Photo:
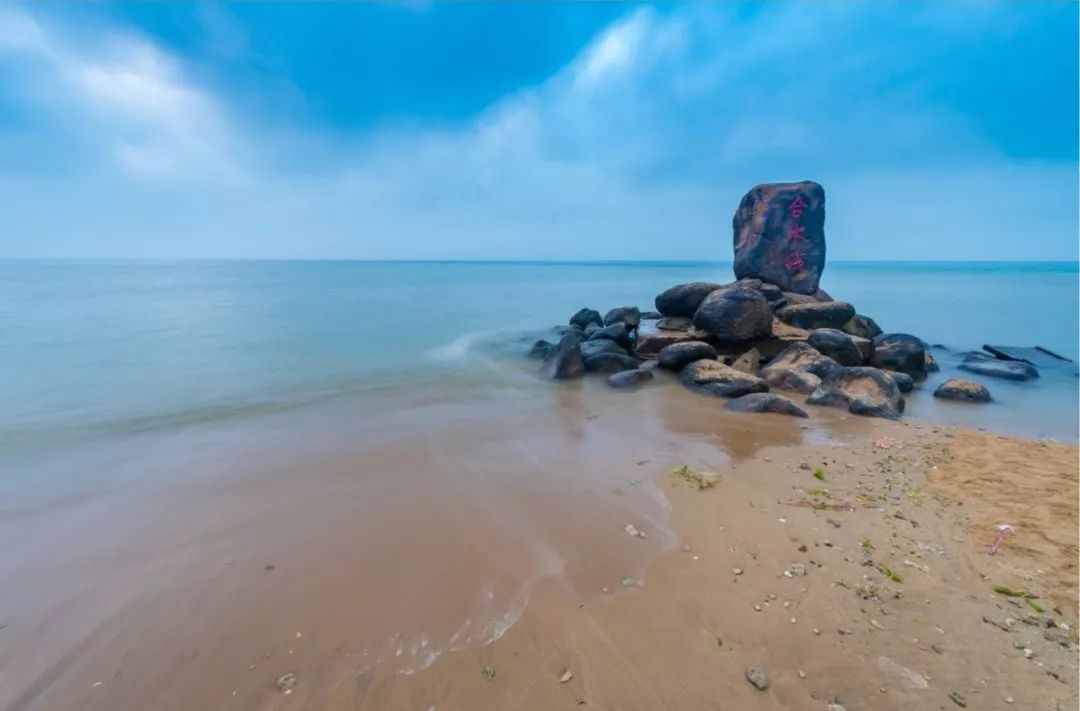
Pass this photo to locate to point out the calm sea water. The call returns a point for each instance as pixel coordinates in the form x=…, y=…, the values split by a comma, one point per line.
x=96, y=349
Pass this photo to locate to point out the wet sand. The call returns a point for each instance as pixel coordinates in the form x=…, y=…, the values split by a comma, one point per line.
x=477, y=564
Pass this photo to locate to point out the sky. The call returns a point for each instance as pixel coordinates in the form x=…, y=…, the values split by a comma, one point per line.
x=539, y=131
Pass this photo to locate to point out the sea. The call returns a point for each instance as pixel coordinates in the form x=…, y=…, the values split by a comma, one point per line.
x=199, y=460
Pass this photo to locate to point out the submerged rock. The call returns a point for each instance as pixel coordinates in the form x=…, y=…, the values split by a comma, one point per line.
x=564, y=361
x=540, y=349
x=736, y=314
x=837, y=345
x=899, y=351
x=629, y=378
x=651, y=341
x=649, y=316
x=820, y=314
x=715, y=378
x=609, y=362
x=584, y=317
x=618, y=332
x=779, y=235
x=766, y=402
x=677, y=355
x=903, y=381
x=1007, y=369
x=864, y=391
x=960, y=389
x=684, y=299
x=629, y=315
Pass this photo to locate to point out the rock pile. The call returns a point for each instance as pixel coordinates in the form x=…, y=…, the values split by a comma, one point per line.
x=772, y=328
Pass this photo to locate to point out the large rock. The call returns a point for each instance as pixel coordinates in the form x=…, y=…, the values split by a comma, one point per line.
x=780, y=235
x=677, y=355
x=650, y=341
x=629, y=378
x=684, y=299
x=629, y=315
x=601, y=345
x=1007, y=369
x=540, y=349
x=715, y=378
x=836, y=344
x=799, y=357
x=862, y=326
x=675, y=323
x=736, y=314
x=609, y=362
x=618, y=332
x=899, y=351
x=564, y=361
x=960, y=389
x=864, y=391
x=820, y=314
x=650, y=316
x=748, y=362
x=766, y=402
x=584, y=317
x=798, y=380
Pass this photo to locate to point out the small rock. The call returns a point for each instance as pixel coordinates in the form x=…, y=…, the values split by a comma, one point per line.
x=566, y=676
x=757, y=677
x=286, y=682
x=736, y=571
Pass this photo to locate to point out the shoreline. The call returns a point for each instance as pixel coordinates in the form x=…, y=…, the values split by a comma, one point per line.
x=658, y=633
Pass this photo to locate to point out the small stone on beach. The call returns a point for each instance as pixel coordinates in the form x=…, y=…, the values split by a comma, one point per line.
x=757, y=677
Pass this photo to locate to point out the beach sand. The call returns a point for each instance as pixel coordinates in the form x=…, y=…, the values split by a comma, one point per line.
x=660, y=622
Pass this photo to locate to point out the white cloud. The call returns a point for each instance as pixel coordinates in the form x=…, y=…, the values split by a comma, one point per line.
x=638, y=148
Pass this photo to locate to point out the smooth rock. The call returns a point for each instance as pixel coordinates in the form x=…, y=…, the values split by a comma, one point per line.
x=675, y=323
x=863, y=391
x=609, y=362
x=757, y=677
x=960, y=389
x=618, y=332
x=650, y=316
x=794, y=299
x=629, y=315
x=1007, y=369
x=684, y=299
x=899, y=351
x=564, y=361
x=601, y=345
x=836, y=344
x=650, y=341
x=820, y=314
x=629, y=378
x=540, y=349
x=748, y=362
x=779, y=235
x=766, y=402
x=677, y=355
x=903, y=381
x=584, y=317
x=798, y=380
x=861, y=326
x=799, y=357
x=736, y=314
x=715, y=378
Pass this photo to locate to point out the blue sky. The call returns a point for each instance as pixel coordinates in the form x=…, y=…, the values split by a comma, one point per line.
x=533, y=131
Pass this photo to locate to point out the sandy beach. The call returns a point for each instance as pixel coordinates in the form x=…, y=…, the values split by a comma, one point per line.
x=845, y=556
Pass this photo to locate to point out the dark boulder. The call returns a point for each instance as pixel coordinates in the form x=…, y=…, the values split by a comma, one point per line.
x=564, y=361
x=864, y=391
x=793, y=298
x=684, y=299
x=584, y=317
x=1007, y=369
x=540, y=349
x=748, y=362
x=675, y=323
x=766, y=402
x=780, y=235
x=601, y=345
x=618, y=332
x=715, y=378
x=960, y=389
x=798, y=380
x=931, y=364
x=563, y=330
x=629, y=378
x=899, y=351
x=629, y=315
x=735, y=314
x=820, y=314
x=650, y=316
x=609, y=362
x=822, y=295
x=677, y=355
x=772, y=293
x=903, y=381
x=799, y=357
x=836, y=344
x=861, y=326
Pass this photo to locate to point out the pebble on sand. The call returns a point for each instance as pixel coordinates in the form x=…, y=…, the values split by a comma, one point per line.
x=757, y=677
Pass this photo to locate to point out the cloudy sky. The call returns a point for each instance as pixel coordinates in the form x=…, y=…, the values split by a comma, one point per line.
x=534, y=131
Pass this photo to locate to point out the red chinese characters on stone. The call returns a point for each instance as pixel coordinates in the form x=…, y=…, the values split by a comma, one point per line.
x=796, y=232
x=796, y=206
x=793, y=262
